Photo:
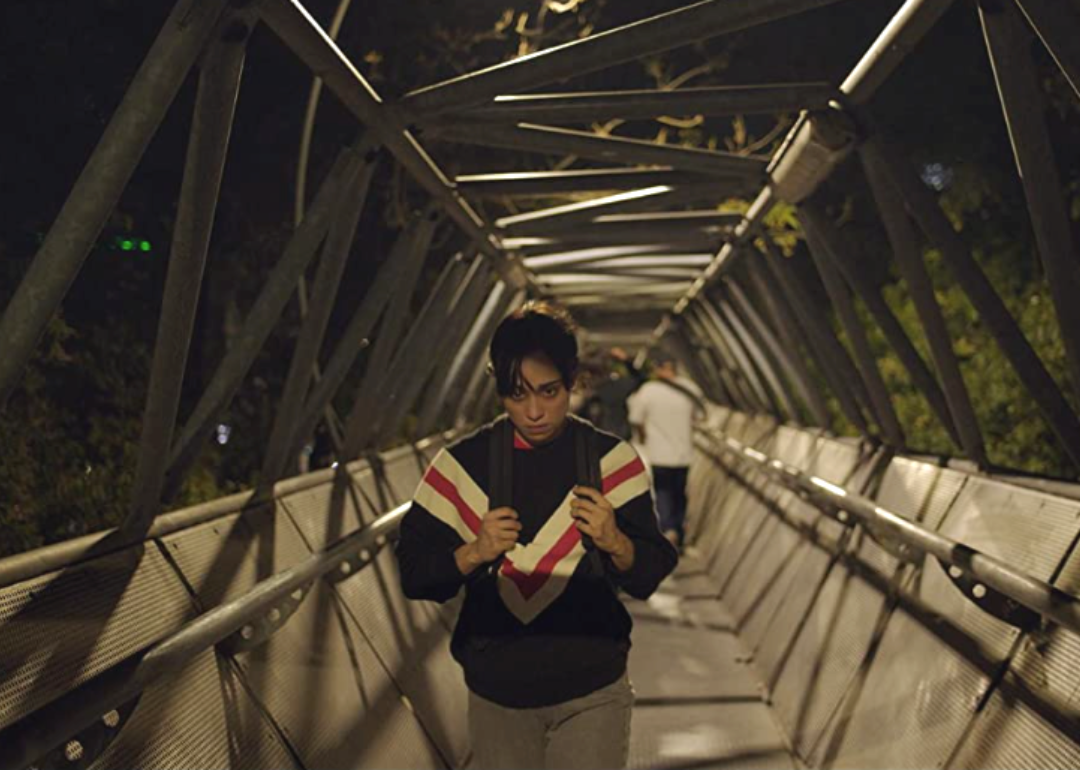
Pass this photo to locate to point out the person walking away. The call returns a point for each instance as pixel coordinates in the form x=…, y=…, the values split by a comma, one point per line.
x=662, y=414
x=542, y=637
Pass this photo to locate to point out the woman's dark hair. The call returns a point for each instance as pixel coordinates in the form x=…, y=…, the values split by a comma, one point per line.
x=536, y=327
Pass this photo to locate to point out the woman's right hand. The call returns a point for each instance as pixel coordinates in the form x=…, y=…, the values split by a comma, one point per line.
x=499, y=531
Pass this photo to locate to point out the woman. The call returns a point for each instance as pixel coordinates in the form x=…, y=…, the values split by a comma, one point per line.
x=542, y=636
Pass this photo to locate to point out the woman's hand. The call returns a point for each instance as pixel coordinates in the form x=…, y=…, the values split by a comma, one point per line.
x=595, y=517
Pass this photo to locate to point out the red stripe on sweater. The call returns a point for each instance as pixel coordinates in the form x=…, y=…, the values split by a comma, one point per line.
x=623, y=474
x=528, y=585
x=446, y=488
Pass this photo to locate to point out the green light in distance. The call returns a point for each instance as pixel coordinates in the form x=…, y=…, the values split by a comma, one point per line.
x=127, y=245
x=144, y=245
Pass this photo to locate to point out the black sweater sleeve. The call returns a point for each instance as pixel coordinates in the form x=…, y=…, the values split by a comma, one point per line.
x=654, y=555
x=425, y=553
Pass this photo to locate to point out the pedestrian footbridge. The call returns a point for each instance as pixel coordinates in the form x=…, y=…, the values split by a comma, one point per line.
x=845, y=602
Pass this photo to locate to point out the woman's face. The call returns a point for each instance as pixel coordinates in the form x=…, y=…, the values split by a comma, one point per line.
x=539, y=406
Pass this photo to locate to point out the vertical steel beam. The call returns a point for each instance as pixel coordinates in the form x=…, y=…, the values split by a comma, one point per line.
x=101, y=182
x=790, y=361
x=262, y=317
x=906, y=249
x=1057, y=23
x=401, y=266
x=215, y=105
x=867, y=364
x=984, y=298
x=715, y=358
x=606, y=49
x=450, y=386
x=757, y=357
x=832, y=359
x=305, y=357
x=389, y=355
x=1009, y=44
x=684, y=344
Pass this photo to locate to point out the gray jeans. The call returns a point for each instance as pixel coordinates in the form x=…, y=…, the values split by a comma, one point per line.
x=587, y=733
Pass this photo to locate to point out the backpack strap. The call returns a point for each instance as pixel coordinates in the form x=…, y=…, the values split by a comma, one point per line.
x=501, y=464
x=587, y=458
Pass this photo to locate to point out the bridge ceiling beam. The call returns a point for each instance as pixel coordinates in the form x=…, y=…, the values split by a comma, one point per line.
x=551, y=140
x=605, y=259
x=627, y=43
x=527, y=184
x=600, y=106
x=291, y=22
x=583, y=213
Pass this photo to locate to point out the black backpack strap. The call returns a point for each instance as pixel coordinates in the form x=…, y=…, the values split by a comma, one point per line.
x=699, y=405
x=587, y=458
x=500, y=464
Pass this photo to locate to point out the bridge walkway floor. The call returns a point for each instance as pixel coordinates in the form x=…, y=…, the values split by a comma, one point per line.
x=699, y=704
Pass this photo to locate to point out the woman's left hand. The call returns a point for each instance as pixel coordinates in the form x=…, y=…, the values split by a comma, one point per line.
x=596, y=518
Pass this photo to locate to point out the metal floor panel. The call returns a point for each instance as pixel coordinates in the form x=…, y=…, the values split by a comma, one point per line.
x=200, y=718
x=325, y=687
x=696, y=705
x=63, y=628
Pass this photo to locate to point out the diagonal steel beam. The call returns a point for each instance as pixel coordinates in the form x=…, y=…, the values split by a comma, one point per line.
x=404, y=262
x=909, y=260
x=555, y=218
x=526, y=184
x=984, y=298
x=291, y=22
x=1057, y=23
x=1008, y=42
x=821, y=251
x=308, y=344
x=606, y=49
x=211, y=127
x=100, y=184
x=264, y=314
x=587, y=107
x=589, y=259
x=550, y=140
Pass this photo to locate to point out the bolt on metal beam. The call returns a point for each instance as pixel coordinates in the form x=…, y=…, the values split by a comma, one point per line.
x=103, y=179
x=909, y=260
x=606, y=49
x=215, y=106
x=1008, y=42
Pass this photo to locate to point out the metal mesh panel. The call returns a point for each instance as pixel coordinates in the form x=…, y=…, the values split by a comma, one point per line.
x=748, y=520
x=773, y=648
x=754, y=595
x=827, y=652
x=792, y=445
x=327, y=690
x=834, y=461
x=63, y=628
x=223, y=559
x=704, y=736
x=908, y=708
x=756, y=626
x=1028, y=530
x=1032, y=720
x=402, y=469
x=414, y=646
x=200, y=718
x=324, y=514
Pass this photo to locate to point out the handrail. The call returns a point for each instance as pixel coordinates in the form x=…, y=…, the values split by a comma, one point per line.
x=1034, y=594
x=40, y=732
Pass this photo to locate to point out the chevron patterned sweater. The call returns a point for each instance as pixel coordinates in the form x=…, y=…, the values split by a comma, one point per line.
x=544, y=625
